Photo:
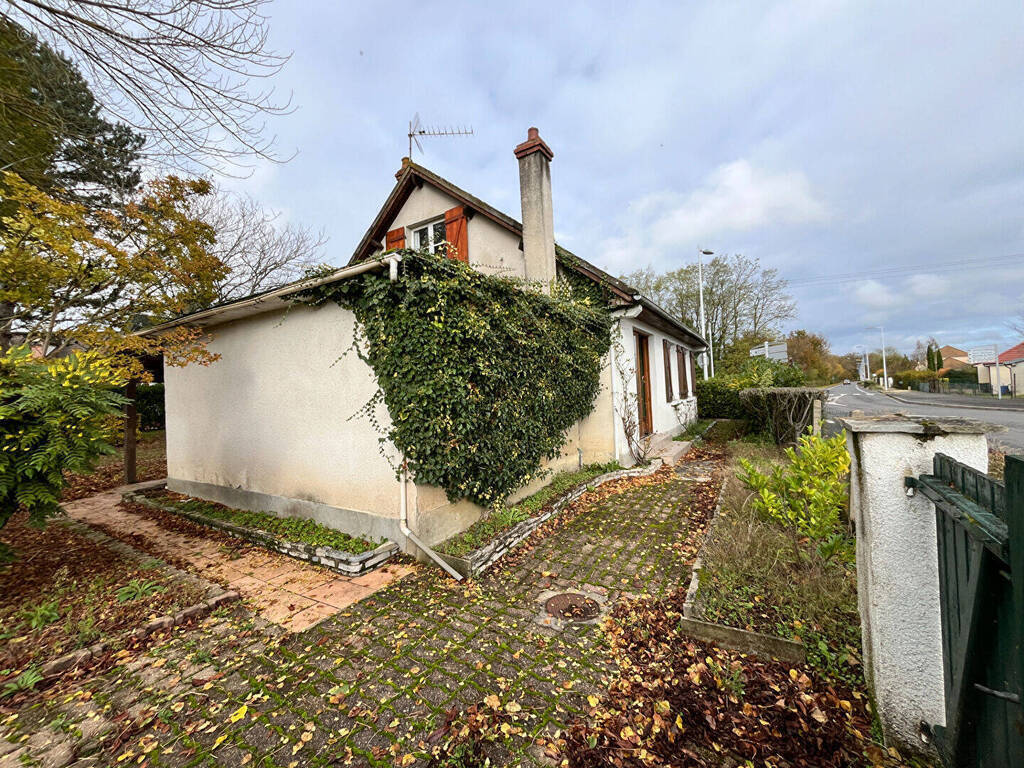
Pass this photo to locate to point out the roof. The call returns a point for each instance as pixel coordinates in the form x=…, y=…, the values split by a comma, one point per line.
x=1012, y=354
x=951, y=351
x=410, y=177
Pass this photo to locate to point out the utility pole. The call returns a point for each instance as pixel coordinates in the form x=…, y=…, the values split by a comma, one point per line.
x=709, y=359
x=885, y=367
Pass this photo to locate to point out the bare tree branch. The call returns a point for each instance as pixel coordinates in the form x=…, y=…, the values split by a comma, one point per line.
x=178, y=71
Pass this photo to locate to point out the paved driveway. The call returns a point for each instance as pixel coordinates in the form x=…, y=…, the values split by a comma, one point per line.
x=368, y=685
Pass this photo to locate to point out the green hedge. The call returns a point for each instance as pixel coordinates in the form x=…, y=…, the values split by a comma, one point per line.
x=149, y=400
x=718, y=399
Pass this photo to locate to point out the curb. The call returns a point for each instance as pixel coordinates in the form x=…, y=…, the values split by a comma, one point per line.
x=76, y=658
x=955, y=405
x=690, y=604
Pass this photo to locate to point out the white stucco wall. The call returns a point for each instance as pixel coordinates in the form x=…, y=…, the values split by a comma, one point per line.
x=897, y=573
x=666, y=416
x=268, y=427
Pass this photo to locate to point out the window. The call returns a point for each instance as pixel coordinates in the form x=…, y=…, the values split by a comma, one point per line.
x=429, y=237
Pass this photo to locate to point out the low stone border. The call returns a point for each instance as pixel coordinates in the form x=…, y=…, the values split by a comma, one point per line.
x=479, y=560
x=744, y=641
x=690, y=604
x=83, y=656
x=345, y=563
x=705, y=430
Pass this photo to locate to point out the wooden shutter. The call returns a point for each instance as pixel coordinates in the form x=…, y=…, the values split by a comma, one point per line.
x=395, y=239
x=666, y=352
x=456, y=232
x=684, y=388
x=693, y=373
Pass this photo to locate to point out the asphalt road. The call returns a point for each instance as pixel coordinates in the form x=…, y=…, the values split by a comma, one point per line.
x=849, y=397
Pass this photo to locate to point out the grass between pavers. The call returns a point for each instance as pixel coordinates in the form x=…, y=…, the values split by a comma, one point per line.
x=499, y=520
x=751, y=579
x=64, y=591
x=285, y=528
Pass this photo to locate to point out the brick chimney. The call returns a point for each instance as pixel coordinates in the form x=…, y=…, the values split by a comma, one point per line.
x=538, y=221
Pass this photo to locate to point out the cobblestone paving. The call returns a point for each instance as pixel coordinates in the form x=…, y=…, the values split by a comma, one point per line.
x=370, y=684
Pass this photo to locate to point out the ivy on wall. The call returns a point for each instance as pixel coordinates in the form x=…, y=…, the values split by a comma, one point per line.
x=481, y=377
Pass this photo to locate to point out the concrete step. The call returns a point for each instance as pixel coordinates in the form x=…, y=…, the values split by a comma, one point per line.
x=672, y=451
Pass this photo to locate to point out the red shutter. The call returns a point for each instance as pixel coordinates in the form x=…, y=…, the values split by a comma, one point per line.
x=684, y=389
x=666, y=352
x=456, y=232
x=395, y=239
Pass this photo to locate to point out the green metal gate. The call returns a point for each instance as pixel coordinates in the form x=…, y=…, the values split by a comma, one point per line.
x=980, y=530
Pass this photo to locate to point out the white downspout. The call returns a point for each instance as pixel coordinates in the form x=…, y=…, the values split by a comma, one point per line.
x=403, y=525
x=403, y=503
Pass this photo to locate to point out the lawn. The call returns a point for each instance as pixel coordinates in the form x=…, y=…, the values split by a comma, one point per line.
x=151, y=464
x=66, y=591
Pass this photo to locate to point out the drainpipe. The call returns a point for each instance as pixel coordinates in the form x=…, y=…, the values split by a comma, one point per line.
x=403, y=525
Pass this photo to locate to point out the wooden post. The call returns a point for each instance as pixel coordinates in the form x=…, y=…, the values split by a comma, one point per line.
x=131, y=423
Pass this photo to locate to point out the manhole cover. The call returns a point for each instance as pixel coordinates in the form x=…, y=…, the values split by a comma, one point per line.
x=572, y=606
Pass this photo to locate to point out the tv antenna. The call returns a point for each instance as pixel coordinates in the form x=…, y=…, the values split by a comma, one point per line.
x=416, y=130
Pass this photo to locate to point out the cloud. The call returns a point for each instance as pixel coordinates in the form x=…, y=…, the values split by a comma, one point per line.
x=876, y=296
x=736, y=197
x=928, y=286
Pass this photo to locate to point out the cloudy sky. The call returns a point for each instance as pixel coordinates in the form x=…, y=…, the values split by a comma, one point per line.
x=872, y=152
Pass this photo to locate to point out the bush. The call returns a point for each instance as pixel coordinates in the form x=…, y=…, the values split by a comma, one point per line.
x=904, y=379
x=54, y=417
x=784, y=412
x=807, y=495
x=719, y=399
x=149, y=401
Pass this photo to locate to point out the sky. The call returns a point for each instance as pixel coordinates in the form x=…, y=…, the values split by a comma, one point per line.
x=873, y=153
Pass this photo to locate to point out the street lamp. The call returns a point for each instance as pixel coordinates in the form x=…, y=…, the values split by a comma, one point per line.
x=885, y=368
x=709, y=356
x=864, y=365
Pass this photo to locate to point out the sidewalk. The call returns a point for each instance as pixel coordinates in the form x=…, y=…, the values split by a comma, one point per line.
x=985, y=402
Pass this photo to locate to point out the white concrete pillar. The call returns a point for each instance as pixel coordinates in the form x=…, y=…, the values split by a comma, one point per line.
x=897, y=563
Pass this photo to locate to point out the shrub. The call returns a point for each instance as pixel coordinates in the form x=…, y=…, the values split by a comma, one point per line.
x=904, y=379
x=54, y=417
x=807, y=495
x=149, y=402
x=719, y=399
x=785, y=412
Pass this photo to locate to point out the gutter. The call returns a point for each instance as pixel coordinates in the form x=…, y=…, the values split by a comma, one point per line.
x=279, y=293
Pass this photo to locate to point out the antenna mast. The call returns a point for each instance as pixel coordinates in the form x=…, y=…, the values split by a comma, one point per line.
x=416, y=130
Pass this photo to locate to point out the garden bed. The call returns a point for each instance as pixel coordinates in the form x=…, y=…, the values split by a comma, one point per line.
x=485, y=542
x=70, y=589
x=751, y=579
x=299, y=538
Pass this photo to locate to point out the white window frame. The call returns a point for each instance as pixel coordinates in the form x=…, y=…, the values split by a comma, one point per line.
x=432, y=244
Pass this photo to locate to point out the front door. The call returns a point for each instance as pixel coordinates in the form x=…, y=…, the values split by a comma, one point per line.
x=643, y=383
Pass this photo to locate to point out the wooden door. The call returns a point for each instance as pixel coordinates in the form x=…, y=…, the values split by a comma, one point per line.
x=643, y=383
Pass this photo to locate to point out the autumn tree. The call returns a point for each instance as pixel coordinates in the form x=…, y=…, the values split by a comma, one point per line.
x=74, y=278
x=745, y=304
x=810, y=352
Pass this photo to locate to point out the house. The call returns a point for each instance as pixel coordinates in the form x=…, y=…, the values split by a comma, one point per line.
x=269, y=426
x=1010, y=372
x=953, y=358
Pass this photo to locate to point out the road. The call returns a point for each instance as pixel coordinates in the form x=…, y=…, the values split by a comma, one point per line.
x=849, y=397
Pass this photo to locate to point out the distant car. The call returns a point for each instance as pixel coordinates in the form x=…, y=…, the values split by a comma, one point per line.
x=846, y=381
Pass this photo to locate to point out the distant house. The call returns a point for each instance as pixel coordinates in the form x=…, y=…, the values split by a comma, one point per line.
x=268, y=427
x=1010, y=372
x=953, y=358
